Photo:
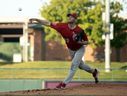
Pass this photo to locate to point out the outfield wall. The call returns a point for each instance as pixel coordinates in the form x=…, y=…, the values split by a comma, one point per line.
x=30, y=84
x=20, y=84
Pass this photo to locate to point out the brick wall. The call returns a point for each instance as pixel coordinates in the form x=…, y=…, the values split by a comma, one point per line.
x=123, y=55
x=89, y=54
x=56, y=51
x=53, y=50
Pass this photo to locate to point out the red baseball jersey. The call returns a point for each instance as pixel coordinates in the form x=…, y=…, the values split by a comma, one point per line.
x=68, y=34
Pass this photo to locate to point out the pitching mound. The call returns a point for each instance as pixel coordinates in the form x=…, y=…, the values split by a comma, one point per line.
x=86, y=89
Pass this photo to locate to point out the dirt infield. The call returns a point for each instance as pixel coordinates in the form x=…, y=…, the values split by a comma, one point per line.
x=86, y=89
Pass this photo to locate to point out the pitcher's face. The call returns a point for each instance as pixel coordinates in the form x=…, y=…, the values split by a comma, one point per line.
x=71, y=19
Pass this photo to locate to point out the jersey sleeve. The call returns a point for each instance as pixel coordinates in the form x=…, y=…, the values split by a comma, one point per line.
x=56, y=26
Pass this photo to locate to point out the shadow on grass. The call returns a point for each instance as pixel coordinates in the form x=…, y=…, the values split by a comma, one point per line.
x=5, y=63
x=4, y=59
x=124, y=67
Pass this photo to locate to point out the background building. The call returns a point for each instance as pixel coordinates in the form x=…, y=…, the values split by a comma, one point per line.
x=34, y=47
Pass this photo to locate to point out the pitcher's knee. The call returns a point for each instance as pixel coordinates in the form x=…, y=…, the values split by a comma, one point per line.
x=80, y=68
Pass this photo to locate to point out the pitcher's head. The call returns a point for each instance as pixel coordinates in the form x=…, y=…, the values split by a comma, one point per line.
x=72, y=17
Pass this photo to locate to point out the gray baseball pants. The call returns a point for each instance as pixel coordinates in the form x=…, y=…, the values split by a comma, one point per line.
x=77, y=63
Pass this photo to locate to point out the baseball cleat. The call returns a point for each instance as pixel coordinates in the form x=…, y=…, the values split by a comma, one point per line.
x=61, y=85
x=95, y=75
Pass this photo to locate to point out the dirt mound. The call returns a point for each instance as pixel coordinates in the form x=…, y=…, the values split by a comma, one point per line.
x=87, y=89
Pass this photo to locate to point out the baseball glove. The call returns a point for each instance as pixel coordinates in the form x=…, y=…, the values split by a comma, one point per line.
x=79, y=36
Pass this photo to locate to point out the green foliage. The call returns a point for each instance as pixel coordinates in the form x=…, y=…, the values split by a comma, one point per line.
x=8, y=49
x=120, y=37
x=119, y=25
x=90, y=17
x=116, y=7
x=96, y=32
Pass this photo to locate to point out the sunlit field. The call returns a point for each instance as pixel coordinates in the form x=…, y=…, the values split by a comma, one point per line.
x=59, y=70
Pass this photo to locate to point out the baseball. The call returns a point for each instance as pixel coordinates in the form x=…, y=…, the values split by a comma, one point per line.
x=20, y=9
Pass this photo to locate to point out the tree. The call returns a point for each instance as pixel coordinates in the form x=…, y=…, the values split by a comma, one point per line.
x=120, y=37
x=89, y=20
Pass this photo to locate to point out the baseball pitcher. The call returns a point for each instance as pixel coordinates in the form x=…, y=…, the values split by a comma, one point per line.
x=75, y=39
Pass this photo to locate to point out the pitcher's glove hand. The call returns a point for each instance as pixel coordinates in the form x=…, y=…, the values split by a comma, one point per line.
x=79, y=36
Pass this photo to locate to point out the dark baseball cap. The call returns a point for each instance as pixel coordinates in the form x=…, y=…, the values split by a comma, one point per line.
x=73, y=15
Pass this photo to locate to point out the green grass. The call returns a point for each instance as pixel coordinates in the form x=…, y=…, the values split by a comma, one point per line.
x=8, y=49
x=59, y=70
